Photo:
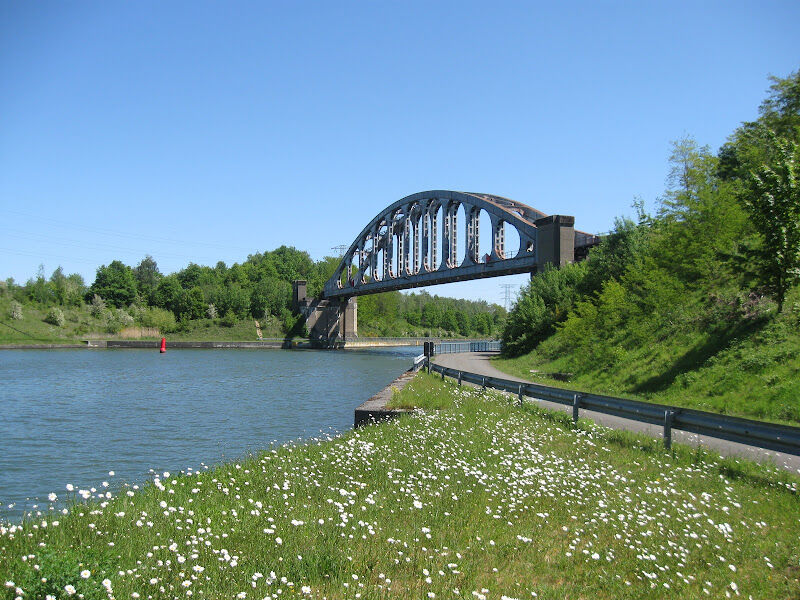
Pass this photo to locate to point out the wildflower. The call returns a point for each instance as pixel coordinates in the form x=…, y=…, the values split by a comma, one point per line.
x=70, y=589
x=85, y=574
x=52, y=497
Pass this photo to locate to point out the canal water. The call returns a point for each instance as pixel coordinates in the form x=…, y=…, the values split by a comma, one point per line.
x=72, y=416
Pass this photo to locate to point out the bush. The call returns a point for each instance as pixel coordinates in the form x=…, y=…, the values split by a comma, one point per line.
x=546, y=301
x=97, y=307
x=211, y=311
x=15, y=311
x=161, y=319
x=55, y=316
x=124, y=318
x=229, y=320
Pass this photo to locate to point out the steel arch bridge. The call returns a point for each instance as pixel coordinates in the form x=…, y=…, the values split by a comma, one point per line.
x=414, y=242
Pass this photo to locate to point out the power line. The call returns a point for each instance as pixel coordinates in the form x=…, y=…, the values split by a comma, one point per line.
x=340, y=250
x=507, y=287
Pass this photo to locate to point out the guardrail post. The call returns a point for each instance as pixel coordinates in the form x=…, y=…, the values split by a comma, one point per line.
x=483, y=383
x=459, y=378
x=576, y=404
x=669, y=416
x=442, y=373
x=428, y=364
x=520, y=395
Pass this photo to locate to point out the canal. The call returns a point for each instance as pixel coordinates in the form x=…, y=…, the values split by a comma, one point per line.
x=73, y=416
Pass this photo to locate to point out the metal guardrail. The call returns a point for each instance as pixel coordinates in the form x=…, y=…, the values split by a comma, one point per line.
x=472, y=346
x=413, y=340
x=780, y=438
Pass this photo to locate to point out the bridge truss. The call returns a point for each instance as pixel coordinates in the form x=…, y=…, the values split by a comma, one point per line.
x=415, y=242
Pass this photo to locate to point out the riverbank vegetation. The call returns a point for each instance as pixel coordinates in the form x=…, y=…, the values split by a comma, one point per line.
x=481, y=500
x=216, y=303
x=697, y=304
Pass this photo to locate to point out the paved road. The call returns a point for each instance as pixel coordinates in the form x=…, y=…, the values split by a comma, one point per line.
x=478, y=362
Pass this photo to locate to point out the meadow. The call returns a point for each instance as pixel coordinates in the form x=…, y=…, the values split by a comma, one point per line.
x=480, y=499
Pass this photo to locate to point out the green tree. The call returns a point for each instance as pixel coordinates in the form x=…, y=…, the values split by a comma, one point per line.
x=699, y=218
x=463, y=323
x=147, y=277
x=270, y=296
x=38, y=290
x=114, y=283
x=615, y=253
x=543, y=303
x=431, y=315
x=773, y=202
x=450, y=320
x=748, y=147
x=191, y=304
x=168, y=294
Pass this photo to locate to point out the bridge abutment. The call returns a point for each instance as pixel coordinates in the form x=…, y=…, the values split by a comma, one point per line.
x=326, y=320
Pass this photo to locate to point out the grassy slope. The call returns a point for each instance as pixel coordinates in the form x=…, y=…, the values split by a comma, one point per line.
x=33, y=329
x=481, y=500
x=751, y=371
x=80, y=325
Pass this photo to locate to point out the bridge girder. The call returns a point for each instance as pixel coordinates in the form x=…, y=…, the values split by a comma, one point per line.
x=415, y=226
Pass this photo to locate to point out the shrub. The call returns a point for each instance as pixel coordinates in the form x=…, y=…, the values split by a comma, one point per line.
x=97, y=307
x=124, y=318
x=55, y=316
x=16, y=310
x=161, y=319
x=229, y=320
x=546, y=301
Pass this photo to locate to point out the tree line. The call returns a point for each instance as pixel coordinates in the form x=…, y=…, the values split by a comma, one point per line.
x=259, y=288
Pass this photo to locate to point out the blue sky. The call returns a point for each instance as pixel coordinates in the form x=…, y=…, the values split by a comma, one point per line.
x=206, y=131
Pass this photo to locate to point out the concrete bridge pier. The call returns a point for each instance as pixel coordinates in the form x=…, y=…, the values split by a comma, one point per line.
x=326, y=320
x=556, y=241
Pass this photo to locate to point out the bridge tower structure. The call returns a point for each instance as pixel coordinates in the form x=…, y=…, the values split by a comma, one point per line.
x=416, y=242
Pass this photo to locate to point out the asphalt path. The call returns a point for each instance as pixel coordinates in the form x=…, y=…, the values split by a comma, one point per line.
x=478, y=362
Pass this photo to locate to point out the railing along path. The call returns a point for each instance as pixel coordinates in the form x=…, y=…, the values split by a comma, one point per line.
x=771, y=436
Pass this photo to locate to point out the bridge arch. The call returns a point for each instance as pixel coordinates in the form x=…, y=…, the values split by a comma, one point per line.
x=415, y=242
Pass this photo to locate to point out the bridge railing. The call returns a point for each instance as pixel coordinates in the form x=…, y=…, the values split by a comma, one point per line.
x=471, y=346
x=771, y=436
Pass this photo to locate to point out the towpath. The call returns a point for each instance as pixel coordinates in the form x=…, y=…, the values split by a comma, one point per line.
x=478, y=362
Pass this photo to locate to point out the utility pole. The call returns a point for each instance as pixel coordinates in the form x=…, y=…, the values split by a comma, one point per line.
x=507, y=287
x=339, y=250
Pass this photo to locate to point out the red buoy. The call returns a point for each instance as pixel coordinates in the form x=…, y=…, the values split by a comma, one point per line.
x=163, y=345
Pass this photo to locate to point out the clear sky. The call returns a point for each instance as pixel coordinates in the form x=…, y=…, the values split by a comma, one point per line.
x=206, y=131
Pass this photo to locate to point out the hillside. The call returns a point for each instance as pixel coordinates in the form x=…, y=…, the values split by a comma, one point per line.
x=697, y=304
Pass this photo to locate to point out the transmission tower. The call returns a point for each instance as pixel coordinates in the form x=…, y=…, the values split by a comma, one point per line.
x=507, y=287
x=339, y=250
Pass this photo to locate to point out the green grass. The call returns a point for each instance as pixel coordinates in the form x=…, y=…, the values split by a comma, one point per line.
x=750, y=371
x=80, y=325
x=484, y=499
x=421, y=392
x=32, y=329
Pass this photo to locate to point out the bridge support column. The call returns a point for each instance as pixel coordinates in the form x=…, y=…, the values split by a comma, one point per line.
x=555, y=241
x=349, y=318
